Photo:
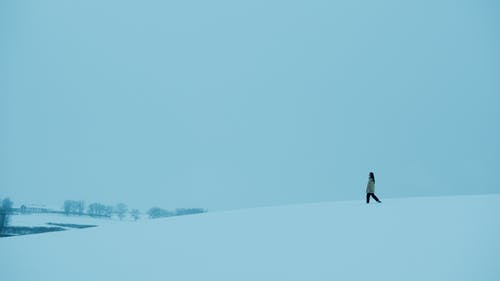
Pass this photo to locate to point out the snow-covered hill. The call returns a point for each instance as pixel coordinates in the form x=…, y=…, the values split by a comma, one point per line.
x=440, y=238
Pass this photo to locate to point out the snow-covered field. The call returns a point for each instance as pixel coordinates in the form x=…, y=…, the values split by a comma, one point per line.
x=43, y=219
x=440, y=238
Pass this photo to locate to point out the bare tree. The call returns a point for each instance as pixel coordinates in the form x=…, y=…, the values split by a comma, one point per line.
x=121, y=209
x=80, y=207
x=3, y=219
x=7, y=204
x=108, y=211
x=98, y=209
x=135, y=214
x=74, y=207
x=68, y=207
x=5, y=211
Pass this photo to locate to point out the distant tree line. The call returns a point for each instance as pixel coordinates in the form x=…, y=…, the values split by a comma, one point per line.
x=157, y=212
x=75, y=207
x=78, y=208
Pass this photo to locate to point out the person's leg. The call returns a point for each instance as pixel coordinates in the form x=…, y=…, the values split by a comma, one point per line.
x=367, y=198
x=375, y=197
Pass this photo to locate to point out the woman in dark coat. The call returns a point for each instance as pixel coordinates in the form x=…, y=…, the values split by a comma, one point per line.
x=370, y=189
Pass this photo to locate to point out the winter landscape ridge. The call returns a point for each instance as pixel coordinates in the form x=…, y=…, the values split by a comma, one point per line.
x=425, y=238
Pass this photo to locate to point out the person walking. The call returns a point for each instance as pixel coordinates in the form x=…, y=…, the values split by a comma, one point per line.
x=370, y=189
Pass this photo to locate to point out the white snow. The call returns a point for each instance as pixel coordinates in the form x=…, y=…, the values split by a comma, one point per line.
x=439, y=238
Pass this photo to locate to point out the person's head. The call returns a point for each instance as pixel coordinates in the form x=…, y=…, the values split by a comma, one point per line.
x=371, y=176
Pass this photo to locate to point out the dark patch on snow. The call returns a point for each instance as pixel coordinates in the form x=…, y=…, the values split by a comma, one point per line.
x=25, y=230
x=71, y=225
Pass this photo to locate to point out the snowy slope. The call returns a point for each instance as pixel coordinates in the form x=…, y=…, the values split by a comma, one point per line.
x=43, y=219
x=441, y=238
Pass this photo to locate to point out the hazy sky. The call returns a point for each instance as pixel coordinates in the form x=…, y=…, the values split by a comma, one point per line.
x=234, y=104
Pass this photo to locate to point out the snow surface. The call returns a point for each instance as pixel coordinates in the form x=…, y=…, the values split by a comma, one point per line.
x=43, y=219
x=439, y=238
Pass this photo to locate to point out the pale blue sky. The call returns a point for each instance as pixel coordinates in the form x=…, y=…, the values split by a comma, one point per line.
x=234, y=104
